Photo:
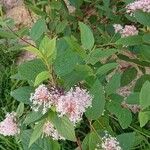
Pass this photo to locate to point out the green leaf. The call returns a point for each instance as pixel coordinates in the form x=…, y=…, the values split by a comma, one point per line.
x=90, y=141
x=133, y=98
x=63, y=126
x=48, y=46
x=113, y=84
x=98, y=54
x=37, y=132
x=22, y=94
x=106, y=68
x=38, y=29
x=80, y=73
x=124, y=115
x=29, y=70
x=37, y=10
x=93, y=140
x=6, y=34
x=76, y=3
x=145, y=95
x=143, y=18
x=98, y=102
x=106, y=3
x=32, y=117
x=138, y=139
x=102, y=124
x=128, y=76
x=145, y=52
x=140, y=82
x=17, y=76
x=130, y=41
x=85, y=143
x=56, y=5
x=40, y=144
x=61, y=26
x=128, y=1
x=84, y=70
x=126, y=140
x=87, y=38
x=136, y=61
x=20, y=109
x=33, y=50
x=44, y=75
x=144, y=117
x=65, y=63
x=72, y=42
x=146, y=38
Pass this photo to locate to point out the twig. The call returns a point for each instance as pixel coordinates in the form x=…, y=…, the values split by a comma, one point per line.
x=94, y=130
x=104, y=45
x=46, y=62
x=79, y=143
x=20, y=37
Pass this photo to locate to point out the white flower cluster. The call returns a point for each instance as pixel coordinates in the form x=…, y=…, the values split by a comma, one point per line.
x=9, y=126
x=143, y=5
x=108, y=143
x=72, y=103
x=118, y=28
x=50, y=131
x=128, y=30
x=41, y=99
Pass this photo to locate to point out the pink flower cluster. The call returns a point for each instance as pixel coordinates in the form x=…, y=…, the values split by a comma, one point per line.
x=110, y=143
x=41, y=99
x=143, y=5
x=128, y=30
x=9, y=126
x=50, y=131
x=72, y=103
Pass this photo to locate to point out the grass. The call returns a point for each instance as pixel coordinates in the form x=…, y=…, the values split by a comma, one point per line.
x=7, y=104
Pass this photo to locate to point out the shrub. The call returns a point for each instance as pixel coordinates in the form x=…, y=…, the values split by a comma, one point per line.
x=88, y=87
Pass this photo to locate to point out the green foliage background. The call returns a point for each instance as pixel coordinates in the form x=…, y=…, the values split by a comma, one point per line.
x=78, y=48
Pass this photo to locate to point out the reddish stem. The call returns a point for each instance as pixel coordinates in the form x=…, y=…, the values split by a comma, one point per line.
x=20, y=37
x=79, y=143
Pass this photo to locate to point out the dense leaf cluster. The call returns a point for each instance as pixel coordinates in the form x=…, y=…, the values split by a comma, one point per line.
x=81, y=48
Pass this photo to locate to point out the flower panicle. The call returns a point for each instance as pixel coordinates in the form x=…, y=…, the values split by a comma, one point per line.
x=9, y=126
x=109, y=143
x=143, y=5
x=50, y=131
x=74, y=103
x=128, y=30
x=41, y=98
